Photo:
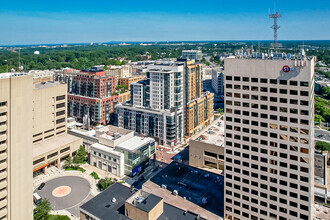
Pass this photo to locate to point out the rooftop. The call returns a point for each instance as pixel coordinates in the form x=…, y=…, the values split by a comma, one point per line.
x=104, y=148
x=134, y=143
x=197, y=189
x=53, y=144
x=9, y=75
x=44, y=85
x=214, y=135
x=102, y=205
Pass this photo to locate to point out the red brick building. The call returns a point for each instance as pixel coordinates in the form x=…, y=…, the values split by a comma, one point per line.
x=91, y=94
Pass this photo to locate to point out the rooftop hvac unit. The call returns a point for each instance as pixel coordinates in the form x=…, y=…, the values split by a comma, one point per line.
x=113, y=200
x=175, y=192
x=164, y=186
x=204, y=200
x=139, y=199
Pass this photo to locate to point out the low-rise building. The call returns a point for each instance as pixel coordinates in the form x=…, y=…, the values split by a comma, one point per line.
x=120, y=202
x=207, y=150
x=42, y=75
x=127, y=81
x=107, y=158
x=218, y=82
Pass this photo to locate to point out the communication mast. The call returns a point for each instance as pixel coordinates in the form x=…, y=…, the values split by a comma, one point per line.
x=275, y=27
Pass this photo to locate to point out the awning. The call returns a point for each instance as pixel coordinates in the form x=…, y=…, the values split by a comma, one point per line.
x=41, y=167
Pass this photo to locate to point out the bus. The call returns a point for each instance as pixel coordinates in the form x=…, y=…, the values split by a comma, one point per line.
x=36, y=198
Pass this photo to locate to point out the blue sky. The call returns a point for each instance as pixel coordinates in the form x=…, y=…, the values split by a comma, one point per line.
x=79, y=21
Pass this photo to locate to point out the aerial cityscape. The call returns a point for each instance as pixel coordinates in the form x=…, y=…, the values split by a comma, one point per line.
x=165, y=111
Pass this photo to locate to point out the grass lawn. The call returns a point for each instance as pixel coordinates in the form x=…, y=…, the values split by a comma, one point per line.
x=93, y=174
x=58, y=217
x=75, y=168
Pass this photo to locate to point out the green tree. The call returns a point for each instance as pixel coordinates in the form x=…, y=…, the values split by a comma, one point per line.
x=321, y=145
x=81, y=156
x=68, y=162
x=42, y=210
x=318, y=118
x=220, y=111
x=104, y=183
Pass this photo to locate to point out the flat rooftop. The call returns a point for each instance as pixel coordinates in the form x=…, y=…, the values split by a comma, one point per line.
x=44, y=85
x=193, y=185
x=105, y=149
x=102, y=207
x=9, y=75
x=214, y=134
x=53, y=144
x=134, y=143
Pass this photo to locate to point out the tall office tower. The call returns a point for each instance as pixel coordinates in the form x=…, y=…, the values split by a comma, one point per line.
x=16, y=183
x=91, y=92
x=217, y=82
x=269, y=138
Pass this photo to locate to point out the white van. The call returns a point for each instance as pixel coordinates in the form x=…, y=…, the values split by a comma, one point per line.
x=36, y=198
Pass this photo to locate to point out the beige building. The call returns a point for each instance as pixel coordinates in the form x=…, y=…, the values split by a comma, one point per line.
x=207, y=150
x=16, y=183
x=269, y=138
x=199, y=113
x=126, y=81
x=51, y=143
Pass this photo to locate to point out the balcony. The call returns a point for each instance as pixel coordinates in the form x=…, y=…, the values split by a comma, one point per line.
x=3, y=118
x=3, y=193
x=3, y=109
x=3, y=212
x=3, y=147
x=3, y=203
x=3, y=128
x=3, y=166
x=3, y=175
x=3, y=137
x=3, y=184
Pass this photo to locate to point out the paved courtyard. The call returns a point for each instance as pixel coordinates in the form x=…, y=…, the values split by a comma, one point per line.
x=67, y=192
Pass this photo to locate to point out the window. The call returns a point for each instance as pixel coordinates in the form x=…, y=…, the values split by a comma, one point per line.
x=246, y=79
x=61, y=120
x=293, y=83
x=304, y=84
x=263, y=80
x=229, y=77
x=254, y=80
x=58, y=98
x=237, y=78
x=273, y=81
x=283, y=82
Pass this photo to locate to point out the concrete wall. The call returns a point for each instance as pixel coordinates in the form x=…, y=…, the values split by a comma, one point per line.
x=135, y=213
x=197, y=155
x=18, y=182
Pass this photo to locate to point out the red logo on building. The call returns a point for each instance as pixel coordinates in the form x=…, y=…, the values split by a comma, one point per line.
x=286, y=69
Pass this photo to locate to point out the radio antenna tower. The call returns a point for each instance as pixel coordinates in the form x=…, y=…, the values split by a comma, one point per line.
x=275, y=27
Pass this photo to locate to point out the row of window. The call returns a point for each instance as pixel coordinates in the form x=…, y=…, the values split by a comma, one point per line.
x=271, y=126
x=264, y=124
x=274, y=171
x=105, y=156
x=265, y=89
x=267, y=144
x=272, y=99
x=265, y=80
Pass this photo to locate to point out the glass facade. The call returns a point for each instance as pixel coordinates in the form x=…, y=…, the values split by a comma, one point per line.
x=140, y=157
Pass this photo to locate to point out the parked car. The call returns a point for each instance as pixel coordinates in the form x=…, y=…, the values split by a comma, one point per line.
x=41, y=186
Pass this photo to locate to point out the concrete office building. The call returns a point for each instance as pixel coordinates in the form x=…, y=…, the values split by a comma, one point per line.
x=217, y=82
x=16, y=183
x=51, y=143
x=192, y=55
x=269, y=138
x=207, y=150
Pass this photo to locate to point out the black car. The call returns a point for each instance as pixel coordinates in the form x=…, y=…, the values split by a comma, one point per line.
x=134, y=184
x=41, y=186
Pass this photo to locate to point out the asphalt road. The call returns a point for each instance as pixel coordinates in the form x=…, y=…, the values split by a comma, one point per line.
x=325, y=135
x=80, y=193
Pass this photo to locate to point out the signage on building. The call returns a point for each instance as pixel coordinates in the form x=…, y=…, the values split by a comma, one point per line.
x=287, y=69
